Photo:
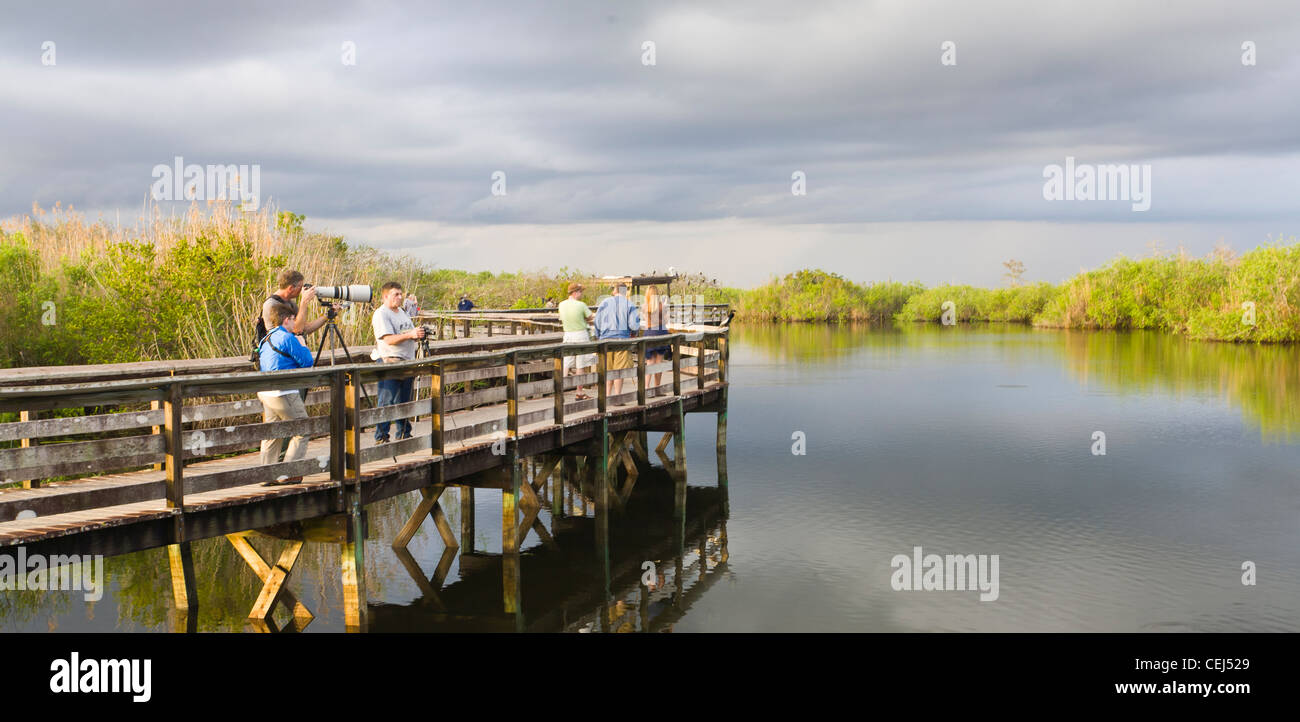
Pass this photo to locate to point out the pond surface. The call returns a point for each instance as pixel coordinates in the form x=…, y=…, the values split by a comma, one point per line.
x=979, y=440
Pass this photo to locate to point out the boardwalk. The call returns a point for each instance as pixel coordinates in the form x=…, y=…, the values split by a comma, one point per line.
x=482, y=420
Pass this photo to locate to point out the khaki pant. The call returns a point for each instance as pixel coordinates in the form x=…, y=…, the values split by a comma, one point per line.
x=283, y=408
x=615, y=360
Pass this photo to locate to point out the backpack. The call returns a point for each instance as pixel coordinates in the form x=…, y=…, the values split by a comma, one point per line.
x=260, y=334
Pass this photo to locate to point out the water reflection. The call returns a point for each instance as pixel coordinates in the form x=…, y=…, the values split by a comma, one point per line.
x=296, y=577
x=1263, y=381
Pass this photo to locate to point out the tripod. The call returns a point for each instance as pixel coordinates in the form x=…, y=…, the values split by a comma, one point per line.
x=333, y=335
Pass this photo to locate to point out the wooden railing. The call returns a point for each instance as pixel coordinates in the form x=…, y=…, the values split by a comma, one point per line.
x=449, y=324
x=680, y=314
x=190, y=417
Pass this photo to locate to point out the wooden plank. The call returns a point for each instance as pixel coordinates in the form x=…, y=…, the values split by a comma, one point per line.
x=206, y=442
x=259, y=381
x=396, y=448
x=51, y=400
x=259, y=473
x=406, y=410
x=73, y=425
x=79, y=457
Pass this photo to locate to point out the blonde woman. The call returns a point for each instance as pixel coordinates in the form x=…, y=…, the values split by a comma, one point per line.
x=656, y=313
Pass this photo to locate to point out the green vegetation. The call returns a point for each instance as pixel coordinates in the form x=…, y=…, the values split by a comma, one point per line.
x=1019, y=304
x=815, y=295
x=189, y=287
x=1202, y=298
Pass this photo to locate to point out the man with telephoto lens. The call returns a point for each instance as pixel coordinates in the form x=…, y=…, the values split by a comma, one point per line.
x=395, y=337
x=290, y=283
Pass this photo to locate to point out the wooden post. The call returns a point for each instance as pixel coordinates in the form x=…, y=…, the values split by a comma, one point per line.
x=439, y=397
x=512, y=395
x=677, y=365
x=154, y=405
x=440, y=328
x=172, y=429
x=599, y=466
x=557, y=489
x=352, y=430
x=514, y=328
x=26, y=415
x=509, y=538
x=679, y=462
x=466, y=519
x=467, y=328
x=489, y=327
x=353, y=566
x=640, y=373
x=722, y=358
x=602, y=396
x=181, y=561
x=699, y=368
x=722, y=461
x=557, y=387
x=338, y=424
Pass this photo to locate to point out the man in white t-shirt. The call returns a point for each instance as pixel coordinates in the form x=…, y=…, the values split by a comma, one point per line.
x=395, y=337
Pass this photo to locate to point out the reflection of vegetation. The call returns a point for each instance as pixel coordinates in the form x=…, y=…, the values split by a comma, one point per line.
x=810, y=343
x=1262, y=380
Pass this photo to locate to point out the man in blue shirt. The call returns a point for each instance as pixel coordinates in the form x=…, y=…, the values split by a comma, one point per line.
x=616, y=317
x=465, y=304
x=282, y=350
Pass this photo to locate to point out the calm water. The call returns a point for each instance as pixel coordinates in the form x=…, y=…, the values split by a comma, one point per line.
x=958, y=440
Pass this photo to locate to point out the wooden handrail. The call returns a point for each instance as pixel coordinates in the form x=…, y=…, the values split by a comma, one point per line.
x=172, y=444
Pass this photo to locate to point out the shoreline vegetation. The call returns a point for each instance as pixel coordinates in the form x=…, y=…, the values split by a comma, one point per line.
x=189, y=285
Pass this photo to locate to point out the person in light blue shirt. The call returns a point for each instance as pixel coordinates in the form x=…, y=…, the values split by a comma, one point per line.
x=616, y=317
x=282, y=350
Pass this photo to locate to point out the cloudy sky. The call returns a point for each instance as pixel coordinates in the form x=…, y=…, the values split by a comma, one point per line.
x=915, y=169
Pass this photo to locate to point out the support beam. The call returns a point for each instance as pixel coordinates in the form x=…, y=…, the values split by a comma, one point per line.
x=273, y=583
x=600, y=480
x=263, y=572
x=184, y=588
x=467, y=518
x=510, y=587
x=353, y=567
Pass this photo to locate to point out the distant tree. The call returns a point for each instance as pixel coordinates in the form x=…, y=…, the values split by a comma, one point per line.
x=1015, y=269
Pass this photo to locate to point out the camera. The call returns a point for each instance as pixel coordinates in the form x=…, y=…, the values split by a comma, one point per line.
x=358, y=293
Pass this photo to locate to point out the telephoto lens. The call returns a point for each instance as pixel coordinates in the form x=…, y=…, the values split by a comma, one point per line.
x=359, y=293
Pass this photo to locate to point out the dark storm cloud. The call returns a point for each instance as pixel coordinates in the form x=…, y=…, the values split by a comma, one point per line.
x=742, y=95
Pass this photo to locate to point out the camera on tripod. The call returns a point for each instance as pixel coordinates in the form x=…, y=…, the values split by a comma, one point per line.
x=344, y=296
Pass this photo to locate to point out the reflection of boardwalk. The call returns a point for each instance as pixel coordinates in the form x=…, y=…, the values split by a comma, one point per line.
x=561, y=588
x=475, y=413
